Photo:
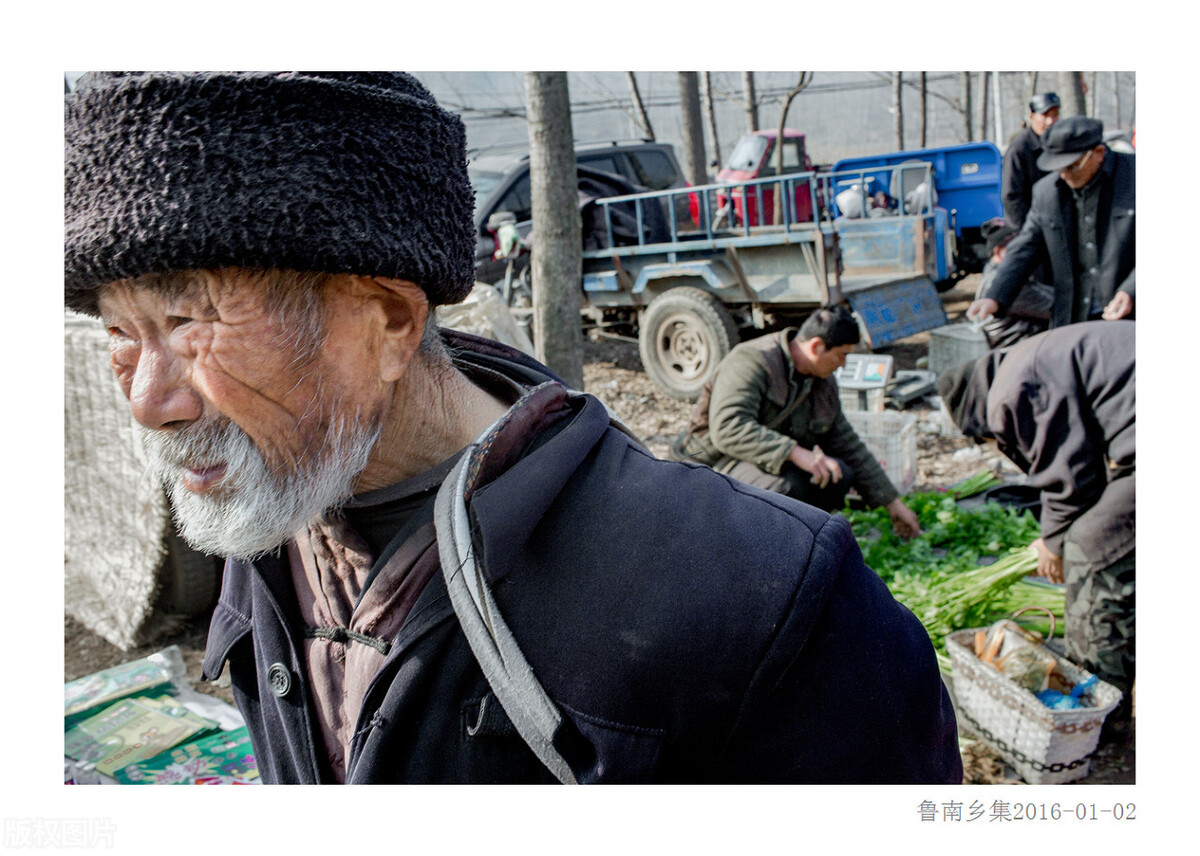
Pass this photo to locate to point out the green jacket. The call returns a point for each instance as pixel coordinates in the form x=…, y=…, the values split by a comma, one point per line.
x=757, y=407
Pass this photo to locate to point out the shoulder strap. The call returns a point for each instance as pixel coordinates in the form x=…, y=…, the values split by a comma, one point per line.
x=509, y=674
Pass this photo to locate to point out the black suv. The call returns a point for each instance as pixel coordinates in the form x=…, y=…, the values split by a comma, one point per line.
x=501, y=181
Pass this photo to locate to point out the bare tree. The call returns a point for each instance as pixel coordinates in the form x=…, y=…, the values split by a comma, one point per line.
x=693, y=128
x=1116, y=87
x=924, y=109
x=710, y=116
x=555, y=262
x=983, y=105
x=1071, y=90
x=751, y=100
x=898, y=108
x=997, y=110
x=805, y=79
x=966, y=105
x=639, y=108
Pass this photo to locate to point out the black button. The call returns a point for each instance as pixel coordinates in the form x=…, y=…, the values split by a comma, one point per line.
x=279, y=679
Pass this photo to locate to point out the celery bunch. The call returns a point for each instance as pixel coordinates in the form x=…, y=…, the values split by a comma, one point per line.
x=967, y=568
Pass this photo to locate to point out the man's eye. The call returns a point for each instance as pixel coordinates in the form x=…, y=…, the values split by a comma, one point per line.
x=117, y=333
x=174, y=321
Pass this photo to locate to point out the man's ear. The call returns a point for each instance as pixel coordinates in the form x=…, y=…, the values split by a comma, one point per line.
x=405, y=308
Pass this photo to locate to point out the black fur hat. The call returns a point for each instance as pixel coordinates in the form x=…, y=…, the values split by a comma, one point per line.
x=339, y=172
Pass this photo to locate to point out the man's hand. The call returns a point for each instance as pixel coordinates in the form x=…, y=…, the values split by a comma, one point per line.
x=823, y=468
x=1050, y=565
x=982, y=308
x=904, y=521
x=1120, y=306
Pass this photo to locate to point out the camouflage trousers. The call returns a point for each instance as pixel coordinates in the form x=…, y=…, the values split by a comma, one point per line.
x=1099, y=616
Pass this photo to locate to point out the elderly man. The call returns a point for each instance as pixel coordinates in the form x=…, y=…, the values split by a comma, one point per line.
x=1062, y=406
x=439, y=565
x=1081, y=224
x=1020, y=171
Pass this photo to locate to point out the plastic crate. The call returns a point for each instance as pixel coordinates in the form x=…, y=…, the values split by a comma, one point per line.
x=892, y=438
x=954, y=344
x=862, y=399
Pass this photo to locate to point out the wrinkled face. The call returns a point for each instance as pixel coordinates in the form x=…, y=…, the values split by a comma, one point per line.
x=1039, y=122
x=829, y=360
x=252, y=434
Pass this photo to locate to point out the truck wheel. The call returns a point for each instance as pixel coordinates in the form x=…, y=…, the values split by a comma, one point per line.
x=683, y=335
x=191, y=580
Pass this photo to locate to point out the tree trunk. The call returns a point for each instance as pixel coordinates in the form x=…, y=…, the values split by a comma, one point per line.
x=805, y=79
x=751, y=101
x=639, y=108
x=898, y=109
x=924, y=110
x=997, y=110
x=1116, y=86
x=966, y=100
x=1070, y=89
x=557, y=242
x=693, y=128
x=983, y=105
x=710, y=116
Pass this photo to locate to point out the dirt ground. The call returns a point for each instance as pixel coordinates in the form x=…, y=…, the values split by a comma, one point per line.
x=613, y=372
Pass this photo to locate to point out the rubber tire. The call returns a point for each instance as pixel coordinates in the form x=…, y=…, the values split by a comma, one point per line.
x=683, y=335
x=192, y=580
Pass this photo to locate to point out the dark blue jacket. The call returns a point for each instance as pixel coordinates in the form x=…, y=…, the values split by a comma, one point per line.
x=688, y=628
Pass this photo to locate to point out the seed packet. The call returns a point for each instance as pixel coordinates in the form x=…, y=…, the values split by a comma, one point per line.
x=154, y=672
x=173, y=706
x=126, y=732
x=219, y=759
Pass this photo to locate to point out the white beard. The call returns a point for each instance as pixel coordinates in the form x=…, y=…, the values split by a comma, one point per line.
x=255, y=509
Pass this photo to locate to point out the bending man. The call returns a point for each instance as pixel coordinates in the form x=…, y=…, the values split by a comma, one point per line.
x=1061, y=406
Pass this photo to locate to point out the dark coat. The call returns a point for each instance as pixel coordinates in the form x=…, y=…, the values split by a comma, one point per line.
x=1062, y=406
x=1049, y=235
x=1019, y=174
x=688, y=628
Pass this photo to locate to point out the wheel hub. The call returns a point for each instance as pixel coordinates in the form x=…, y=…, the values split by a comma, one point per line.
x=682, y=347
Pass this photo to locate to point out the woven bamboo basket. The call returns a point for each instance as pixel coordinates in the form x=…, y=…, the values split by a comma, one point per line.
x=1045, y=746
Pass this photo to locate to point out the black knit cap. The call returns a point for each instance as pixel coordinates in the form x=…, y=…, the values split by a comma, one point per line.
x=997, y=232
x=337, y=172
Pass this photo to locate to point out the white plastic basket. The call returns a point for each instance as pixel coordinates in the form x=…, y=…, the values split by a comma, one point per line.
x=892, y=438
x=862, y=399
x=1045, y=746
x=954, y=344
